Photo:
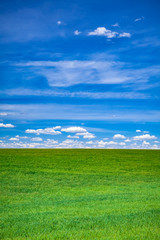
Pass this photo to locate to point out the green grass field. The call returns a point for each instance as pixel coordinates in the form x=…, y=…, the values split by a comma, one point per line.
x=80, y=194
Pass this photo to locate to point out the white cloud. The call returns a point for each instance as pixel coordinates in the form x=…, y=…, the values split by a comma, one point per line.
x=155, y=147
x=23, y=137
x=86, y=135
x=89, y=135
x=115, y=25
x=57, y=127
x=69, y=136
x=139, y=19
x=103, y=144
x=102, y=31
x=145, y=143
x=125, y=34
x=7, y=125
x=142, y=131
x=51, y=142
x=74, y=130
x=37, y=142
x=59, y=22
x=14, y=139
x=44, y=131
x=3, y=114
x=90, y=142
x=138, y=131
x=127, y=140
x=16, y=144
x=111, y=143
x=81, y=133
x=68, y=143
x=119, y=136
x=76, y=32
x=37, y=139
x=34, y=145
x=144, y=137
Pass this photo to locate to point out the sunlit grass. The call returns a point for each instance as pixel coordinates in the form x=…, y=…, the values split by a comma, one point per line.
x=80, y=194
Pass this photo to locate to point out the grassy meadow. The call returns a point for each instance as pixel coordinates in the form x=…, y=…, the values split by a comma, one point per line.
x=80, y=194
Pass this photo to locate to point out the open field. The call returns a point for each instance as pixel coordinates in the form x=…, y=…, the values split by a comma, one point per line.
x=80, y=194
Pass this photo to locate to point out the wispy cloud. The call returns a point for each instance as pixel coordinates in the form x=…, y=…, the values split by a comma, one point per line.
x=74, y=94
x=94, y=71
x=3, y=114
x=149, y=41
x=80, y=112
x=68, y=73
x=139, y=19
x=115, y=25
x=24, y=25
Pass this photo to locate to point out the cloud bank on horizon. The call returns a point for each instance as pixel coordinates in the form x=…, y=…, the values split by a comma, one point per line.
x=80, y=75
x=144, y=141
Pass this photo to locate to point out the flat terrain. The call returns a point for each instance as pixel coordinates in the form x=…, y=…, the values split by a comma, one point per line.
x=80, y=194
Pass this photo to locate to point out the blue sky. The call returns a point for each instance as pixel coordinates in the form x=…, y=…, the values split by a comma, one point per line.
x=82, y=74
